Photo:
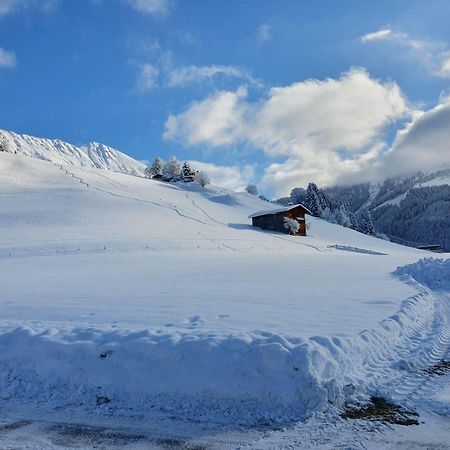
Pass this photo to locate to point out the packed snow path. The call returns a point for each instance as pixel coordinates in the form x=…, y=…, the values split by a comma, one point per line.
x=125, y=297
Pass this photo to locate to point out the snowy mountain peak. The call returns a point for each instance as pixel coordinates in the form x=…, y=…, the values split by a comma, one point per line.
x=93, y=155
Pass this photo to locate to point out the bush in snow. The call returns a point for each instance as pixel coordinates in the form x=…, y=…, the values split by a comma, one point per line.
x=291, y=225
x=4, y=143
x=155, y=169
x=202, y=178
x=172, y=170
x=251, y=189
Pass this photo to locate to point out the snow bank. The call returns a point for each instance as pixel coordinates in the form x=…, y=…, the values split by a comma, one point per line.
x=431, y=272
x=260, y=374
x=247, y=377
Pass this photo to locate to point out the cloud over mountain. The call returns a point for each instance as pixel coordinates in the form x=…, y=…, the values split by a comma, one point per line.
x=324, y=128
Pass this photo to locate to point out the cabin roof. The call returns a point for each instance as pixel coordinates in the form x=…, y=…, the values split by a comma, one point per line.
x=278, y=210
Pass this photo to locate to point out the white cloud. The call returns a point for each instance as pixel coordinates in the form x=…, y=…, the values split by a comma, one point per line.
x=377, y=35
x=234, y=178
x=147, y=79
x=161, y=69
x=324, y=128
x=7, y=59
x=264, y=33
x=195, y=74
x=424, y=144
x=150, y=7
x=15, y=6
x=214, y=121
x=434, y=55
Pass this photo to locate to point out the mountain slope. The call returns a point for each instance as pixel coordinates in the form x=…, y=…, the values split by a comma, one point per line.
x=412, y=210
x=93, y=155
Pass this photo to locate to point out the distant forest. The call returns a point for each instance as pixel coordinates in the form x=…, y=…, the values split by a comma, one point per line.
x=400, y=209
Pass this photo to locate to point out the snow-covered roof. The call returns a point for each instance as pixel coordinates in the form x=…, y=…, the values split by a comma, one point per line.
x=280, y=209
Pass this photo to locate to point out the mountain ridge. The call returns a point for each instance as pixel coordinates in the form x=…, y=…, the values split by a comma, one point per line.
x=92, y=155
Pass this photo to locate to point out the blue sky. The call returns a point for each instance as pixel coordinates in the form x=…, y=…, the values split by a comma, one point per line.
x=280, y=92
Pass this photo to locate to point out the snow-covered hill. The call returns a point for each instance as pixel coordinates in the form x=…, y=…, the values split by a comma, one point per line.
x=93, y=155
x=124, y=298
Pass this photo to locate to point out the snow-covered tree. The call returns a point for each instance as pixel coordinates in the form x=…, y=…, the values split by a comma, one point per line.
x=343, y=217
x=365, y=223
x=251, y=189
x=156, y=168
x=312, y=199
x=4, y=143
x=202, y=178
x=316, y=201
x=298, y=195
x=291, y=225
x=187, y=174
x=172, y=169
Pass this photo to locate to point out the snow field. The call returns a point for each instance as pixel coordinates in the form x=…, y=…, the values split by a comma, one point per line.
x=126, y=296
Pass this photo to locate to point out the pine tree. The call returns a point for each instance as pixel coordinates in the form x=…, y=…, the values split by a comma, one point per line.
x=312, y=201
x=342, y=216
x=187, y=173
x=298, y=195
x=365, y=223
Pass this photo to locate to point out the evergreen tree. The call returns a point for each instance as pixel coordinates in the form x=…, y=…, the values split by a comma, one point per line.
x=342, y=216
x=298, y=195
x=312, y=201
x=187, y=174
x=365, y=223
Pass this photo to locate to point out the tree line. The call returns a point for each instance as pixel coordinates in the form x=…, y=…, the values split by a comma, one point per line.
x=172, y=170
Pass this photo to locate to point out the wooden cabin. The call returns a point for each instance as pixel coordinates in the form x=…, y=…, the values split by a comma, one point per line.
x=273, y=219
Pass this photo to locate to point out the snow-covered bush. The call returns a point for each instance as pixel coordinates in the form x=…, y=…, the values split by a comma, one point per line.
x=202, y=178
x=251, y=189
x=291, y=225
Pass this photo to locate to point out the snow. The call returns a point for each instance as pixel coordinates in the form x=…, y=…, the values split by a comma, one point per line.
x=92, y=155
x=439, y=181
x=431, y=272
x=395, y=201
x=164, y=300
